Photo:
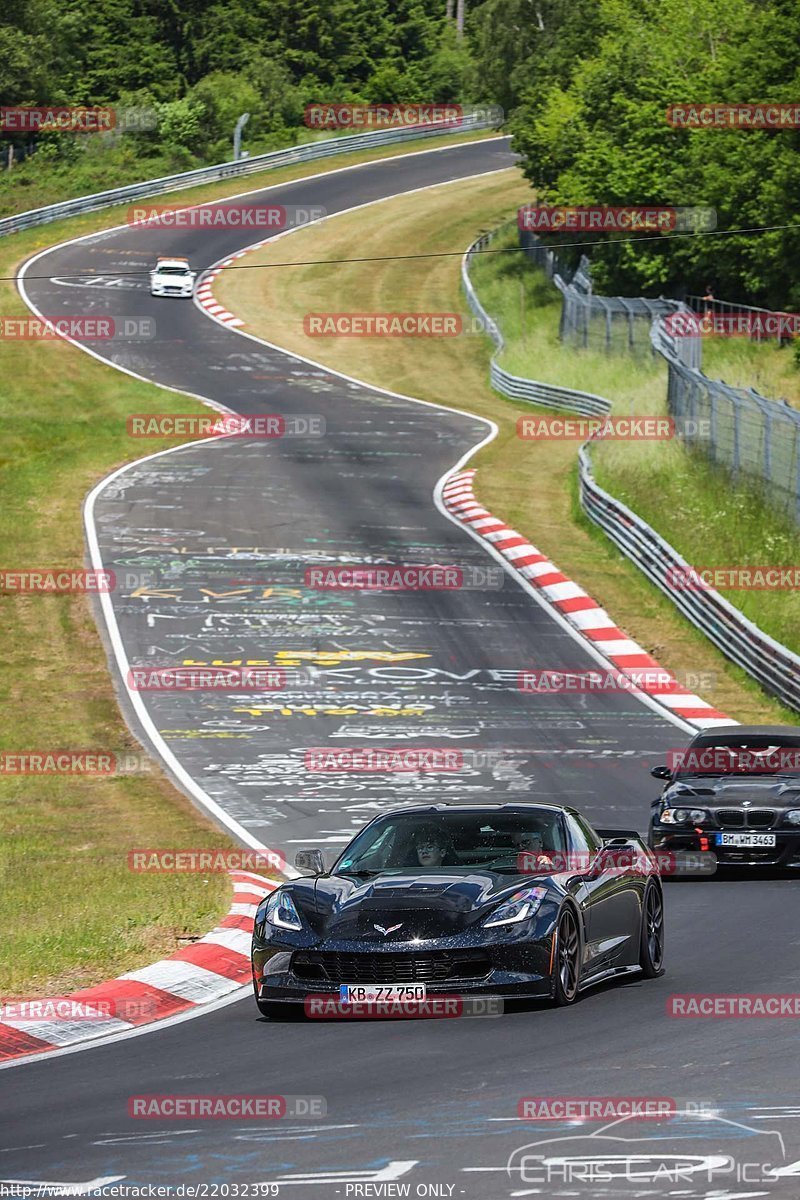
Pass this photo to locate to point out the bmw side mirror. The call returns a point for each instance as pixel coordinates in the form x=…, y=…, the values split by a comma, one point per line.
x=661, y=772
x=310, y=860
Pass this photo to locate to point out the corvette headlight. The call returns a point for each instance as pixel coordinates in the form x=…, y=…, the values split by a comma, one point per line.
x=517, y=908
x=682, y=816
x=280, y=912
x=793, y=816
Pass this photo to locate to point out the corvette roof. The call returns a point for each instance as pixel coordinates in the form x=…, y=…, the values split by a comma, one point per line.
x=472, y=809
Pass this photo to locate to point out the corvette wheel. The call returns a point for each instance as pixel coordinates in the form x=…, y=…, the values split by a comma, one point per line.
x=566, y=967
x=651, y=948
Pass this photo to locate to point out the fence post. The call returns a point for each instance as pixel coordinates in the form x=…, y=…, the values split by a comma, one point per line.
x=712, y=437
x=736, y=405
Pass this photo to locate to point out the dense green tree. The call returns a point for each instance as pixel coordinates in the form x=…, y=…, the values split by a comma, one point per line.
x=601, y=136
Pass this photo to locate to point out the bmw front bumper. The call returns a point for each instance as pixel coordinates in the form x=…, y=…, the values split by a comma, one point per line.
x=784, y=854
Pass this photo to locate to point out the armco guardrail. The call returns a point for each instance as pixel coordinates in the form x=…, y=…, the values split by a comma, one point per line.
x=247, y=166
x=515, y=386
x=773, y=665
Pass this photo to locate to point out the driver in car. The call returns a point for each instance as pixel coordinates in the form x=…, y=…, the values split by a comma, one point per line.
x=531, y=850
x=431, y=846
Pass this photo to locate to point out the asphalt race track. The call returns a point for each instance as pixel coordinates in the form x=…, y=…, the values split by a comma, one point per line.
x=222, y=533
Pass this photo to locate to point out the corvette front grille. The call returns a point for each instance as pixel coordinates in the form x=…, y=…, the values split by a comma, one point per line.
x=369, y=967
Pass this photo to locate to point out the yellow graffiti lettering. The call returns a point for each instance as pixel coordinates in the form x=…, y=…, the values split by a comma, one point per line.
x=146, y=591
x=330, y=658
x=222, y=595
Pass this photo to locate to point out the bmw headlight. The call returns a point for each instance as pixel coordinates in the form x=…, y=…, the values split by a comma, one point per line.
x=280, y=912
x=683, y=816
x=518, y=907
x=793, y=816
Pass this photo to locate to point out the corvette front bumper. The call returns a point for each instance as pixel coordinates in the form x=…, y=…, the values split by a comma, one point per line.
x=509, y=971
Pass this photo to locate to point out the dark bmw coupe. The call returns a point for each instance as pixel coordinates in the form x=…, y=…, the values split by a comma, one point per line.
x=735, y=792
x=511, y=900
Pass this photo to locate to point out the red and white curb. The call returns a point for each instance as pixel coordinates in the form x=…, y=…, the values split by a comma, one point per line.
x=204, y=971
x=205, y=292
x=583, y=613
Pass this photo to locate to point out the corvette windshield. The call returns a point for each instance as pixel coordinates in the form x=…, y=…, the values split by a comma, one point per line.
x=428, y=841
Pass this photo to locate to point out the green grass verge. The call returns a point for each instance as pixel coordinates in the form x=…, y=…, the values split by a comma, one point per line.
x=529, y=484
x=690, y=501
x=769, y=368
x=72, y=913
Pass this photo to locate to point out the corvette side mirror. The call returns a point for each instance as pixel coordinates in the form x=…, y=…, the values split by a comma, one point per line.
x=310, y=860
x=661, y=772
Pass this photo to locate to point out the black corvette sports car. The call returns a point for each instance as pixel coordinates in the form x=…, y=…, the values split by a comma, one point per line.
x=510, y=900
x=734, y=791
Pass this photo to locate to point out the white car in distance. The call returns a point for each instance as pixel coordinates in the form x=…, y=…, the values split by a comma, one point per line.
x=172, y=277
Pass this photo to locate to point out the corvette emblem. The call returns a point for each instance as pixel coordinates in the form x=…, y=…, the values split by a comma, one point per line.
x=386, y=932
